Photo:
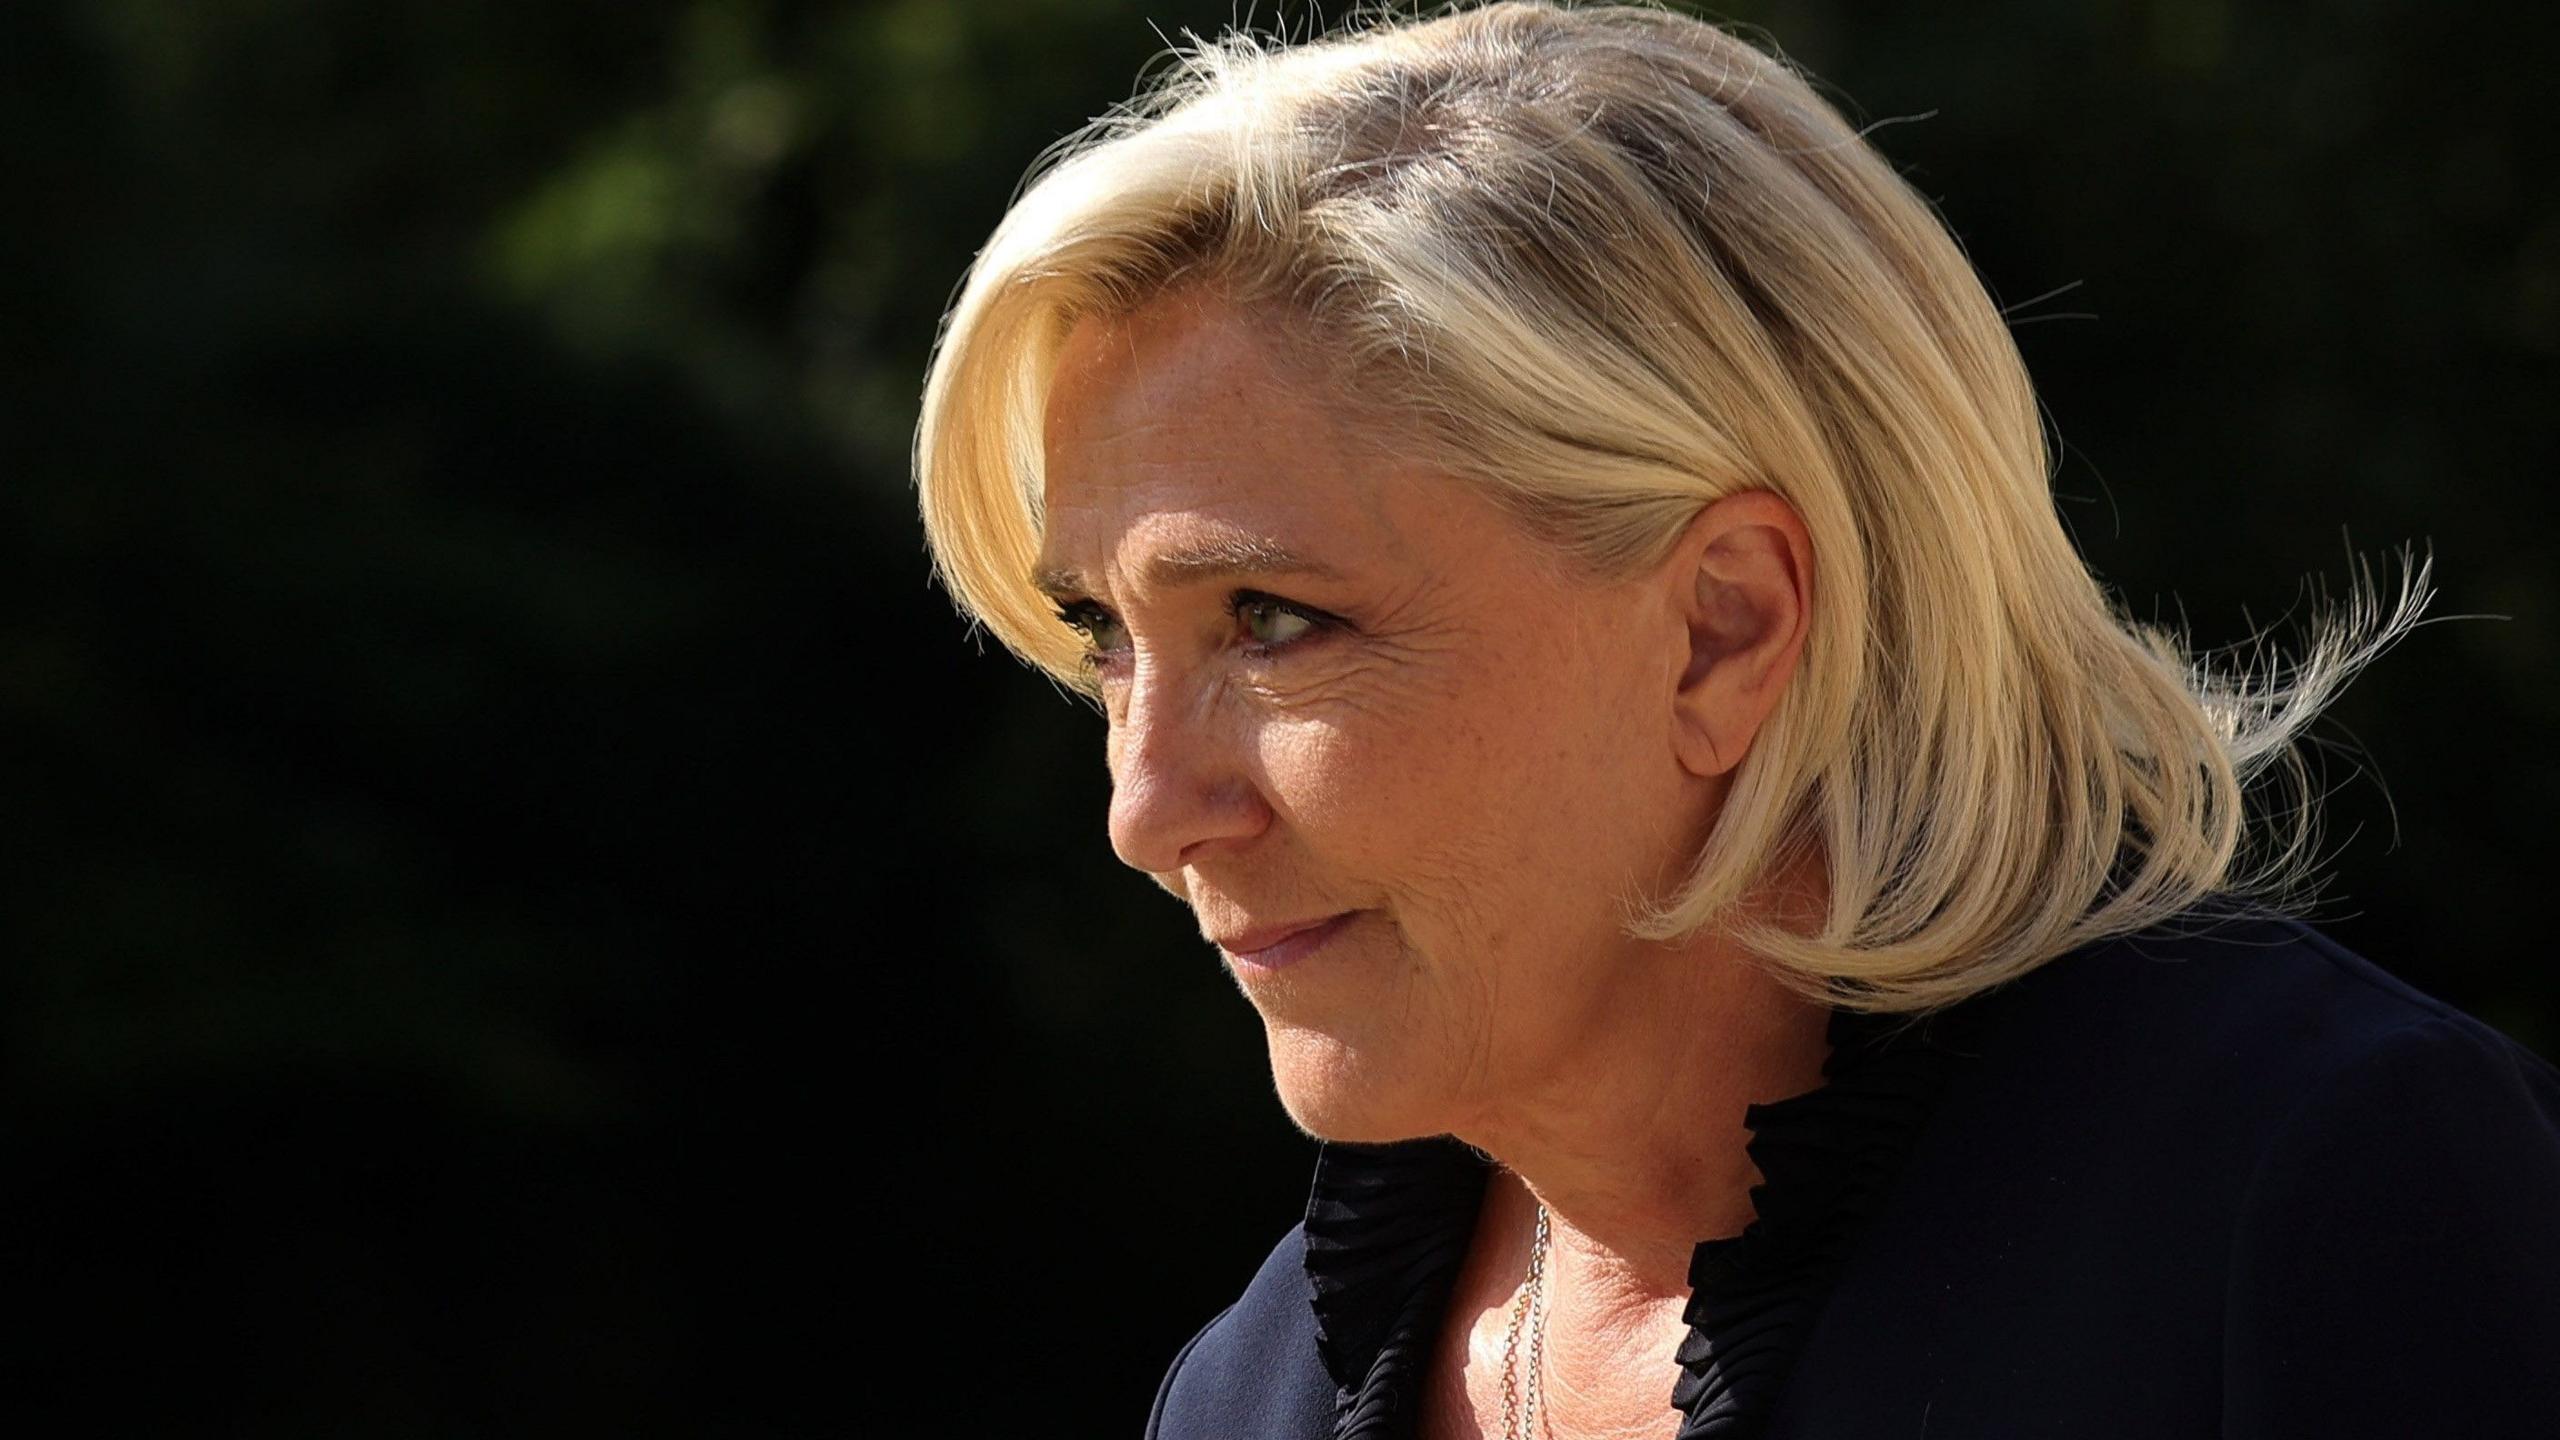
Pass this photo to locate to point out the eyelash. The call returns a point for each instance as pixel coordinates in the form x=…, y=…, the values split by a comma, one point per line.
x=1081, y=615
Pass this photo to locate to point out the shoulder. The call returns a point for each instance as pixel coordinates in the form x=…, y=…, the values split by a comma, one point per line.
x=1253, y=1372
x=2395, y=1259
x=2252, y=1011
x=2367, y=1177
x=2235, y=1180
x=2172, y=1081
x=2253, y=965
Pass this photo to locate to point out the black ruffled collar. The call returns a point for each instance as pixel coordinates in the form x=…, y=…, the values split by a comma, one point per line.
x=1387, y=1229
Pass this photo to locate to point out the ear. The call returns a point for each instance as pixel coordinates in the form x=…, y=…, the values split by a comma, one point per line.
x=1740, y=582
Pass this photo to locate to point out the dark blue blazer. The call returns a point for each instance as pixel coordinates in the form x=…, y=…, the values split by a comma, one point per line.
x=2216, y=1179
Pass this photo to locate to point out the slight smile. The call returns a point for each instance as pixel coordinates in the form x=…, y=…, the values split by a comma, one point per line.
x=1288, y=947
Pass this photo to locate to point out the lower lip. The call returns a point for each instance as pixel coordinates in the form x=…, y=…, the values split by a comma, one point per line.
x=1294, y=949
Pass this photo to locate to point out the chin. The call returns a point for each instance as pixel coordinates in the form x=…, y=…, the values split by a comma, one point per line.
x=1336, y=1091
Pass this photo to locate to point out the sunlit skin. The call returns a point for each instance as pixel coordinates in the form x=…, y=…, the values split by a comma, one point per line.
x=1477, y=754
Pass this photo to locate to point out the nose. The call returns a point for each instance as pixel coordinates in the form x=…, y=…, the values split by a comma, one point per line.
x=1178, y=782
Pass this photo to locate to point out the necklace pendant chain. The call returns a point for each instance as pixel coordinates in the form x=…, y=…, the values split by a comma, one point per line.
x=1519, y=1422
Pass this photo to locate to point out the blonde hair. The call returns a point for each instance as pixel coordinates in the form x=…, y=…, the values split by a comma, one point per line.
x=1613, y=263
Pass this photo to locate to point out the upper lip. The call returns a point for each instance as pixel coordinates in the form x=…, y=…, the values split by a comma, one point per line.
x=1245, y=942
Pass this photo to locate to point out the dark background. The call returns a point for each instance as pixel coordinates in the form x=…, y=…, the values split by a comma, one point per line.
x=525, y=915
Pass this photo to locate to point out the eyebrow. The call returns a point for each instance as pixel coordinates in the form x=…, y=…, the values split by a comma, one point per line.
x=1193, y=564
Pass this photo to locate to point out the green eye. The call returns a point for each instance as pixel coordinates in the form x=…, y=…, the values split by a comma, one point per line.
x=1273, y=615
x=1089, y=620
x=1275, y=624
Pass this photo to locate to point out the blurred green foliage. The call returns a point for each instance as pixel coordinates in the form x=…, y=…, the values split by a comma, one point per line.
x=527, y=915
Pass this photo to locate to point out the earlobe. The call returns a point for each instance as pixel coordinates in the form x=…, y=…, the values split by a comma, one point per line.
x=1698, y=752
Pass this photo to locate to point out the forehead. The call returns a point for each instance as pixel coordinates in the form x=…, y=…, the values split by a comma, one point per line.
x=1174, y=353
x=1183, y=422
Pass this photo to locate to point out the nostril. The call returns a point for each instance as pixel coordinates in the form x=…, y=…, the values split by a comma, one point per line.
x=1163, y=817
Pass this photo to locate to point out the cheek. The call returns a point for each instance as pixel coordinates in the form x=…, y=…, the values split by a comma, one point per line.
x=1342, y=782
x=1445, y=801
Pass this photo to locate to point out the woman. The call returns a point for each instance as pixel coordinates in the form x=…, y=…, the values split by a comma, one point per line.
x=1561, y=539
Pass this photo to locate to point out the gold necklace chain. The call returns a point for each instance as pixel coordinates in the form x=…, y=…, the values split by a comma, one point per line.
x=1531, y=1305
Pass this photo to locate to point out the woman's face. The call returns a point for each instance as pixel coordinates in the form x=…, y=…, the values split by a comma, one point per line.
x=1340, y=686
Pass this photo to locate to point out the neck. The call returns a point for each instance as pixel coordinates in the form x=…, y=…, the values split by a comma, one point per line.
x=1635, y=1143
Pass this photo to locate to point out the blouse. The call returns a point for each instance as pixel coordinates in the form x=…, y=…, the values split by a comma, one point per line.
x=2222, y=1177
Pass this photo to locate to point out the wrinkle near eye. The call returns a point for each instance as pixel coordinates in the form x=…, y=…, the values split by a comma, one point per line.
x=1336, y=681
x=1347, y=677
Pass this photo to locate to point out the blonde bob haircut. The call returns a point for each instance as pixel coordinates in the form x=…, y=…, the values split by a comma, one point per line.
x=1612, y=263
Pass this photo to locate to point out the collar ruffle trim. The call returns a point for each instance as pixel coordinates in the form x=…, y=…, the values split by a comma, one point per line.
x=1387, y=1229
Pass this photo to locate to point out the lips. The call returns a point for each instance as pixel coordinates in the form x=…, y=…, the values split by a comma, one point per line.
x=1278, y=946
x=1264, y=938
